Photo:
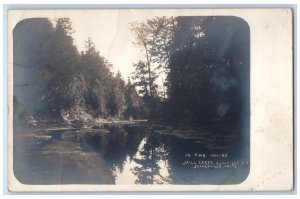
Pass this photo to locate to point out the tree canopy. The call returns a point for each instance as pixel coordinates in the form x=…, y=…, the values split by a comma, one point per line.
x=64, y=82
x=206, y=61
x=203, y=63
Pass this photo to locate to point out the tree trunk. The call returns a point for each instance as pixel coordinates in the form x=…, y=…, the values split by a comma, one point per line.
x=149, y=72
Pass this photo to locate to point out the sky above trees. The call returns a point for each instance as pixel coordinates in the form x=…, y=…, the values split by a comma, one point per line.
x=110, y=31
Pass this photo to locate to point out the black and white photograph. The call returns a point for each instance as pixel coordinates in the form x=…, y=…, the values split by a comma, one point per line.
x=132, y=97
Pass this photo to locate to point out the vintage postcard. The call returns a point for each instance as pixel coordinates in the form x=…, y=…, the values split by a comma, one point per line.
x=150, y=100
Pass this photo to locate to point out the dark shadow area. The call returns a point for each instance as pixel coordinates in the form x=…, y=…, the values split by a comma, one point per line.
x=76, y=122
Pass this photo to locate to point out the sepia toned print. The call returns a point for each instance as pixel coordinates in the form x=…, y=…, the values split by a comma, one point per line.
x=150, y=100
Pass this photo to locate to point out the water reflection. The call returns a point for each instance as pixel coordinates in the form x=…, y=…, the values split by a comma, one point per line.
x=152, y=164
x=128, y=154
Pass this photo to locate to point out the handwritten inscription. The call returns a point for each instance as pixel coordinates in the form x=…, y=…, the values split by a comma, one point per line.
x=203, y=155
x=212, y=161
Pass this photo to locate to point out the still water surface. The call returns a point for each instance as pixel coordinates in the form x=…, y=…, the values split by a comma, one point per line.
x=129, y=154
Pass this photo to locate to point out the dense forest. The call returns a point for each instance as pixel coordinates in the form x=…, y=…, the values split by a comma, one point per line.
x=203, y=63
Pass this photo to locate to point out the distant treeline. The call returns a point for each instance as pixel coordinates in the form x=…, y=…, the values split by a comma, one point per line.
x=205, y=62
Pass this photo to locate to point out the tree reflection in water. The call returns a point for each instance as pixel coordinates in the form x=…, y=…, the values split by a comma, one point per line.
x=125, y=154
x=149, y=165
x=153, y=166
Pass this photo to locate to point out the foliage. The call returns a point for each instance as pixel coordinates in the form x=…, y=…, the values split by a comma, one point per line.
x=205, y=61
x=209, y=71
x=154, y=36
x=70, y=85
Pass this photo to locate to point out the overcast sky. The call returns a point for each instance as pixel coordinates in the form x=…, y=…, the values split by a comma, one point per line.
x=110, y=32
x=108, y=28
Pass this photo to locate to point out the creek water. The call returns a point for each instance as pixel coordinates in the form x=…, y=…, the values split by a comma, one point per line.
x=129, y=154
